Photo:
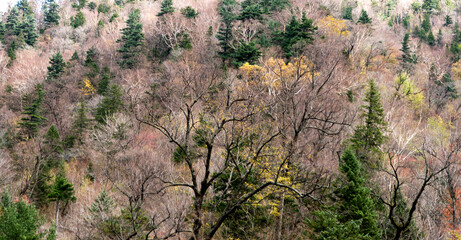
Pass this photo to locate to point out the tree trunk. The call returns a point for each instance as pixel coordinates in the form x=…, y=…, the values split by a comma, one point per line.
x=198, y=217
x=57, y=216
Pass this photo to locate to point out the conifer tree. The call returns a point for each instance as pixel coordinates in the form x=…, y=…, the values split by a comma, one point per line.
x=406, y=55
x=132, y=41
x=246, y=53
x=103, y=83
x=78, y=20
x=370, y=136
x=166, y=7
x=296, y=32
x=56, y=68
x=448, y=21
x=250, y=10
x=348, y=13
x=2, y=32
x=13, y=22
x=53, y=144
x=74, y=56
x=364, y=19
x=51, y=13
x=439, y=37
x=189, y=12
x=353, y=215
x=24, y=6
x=29, y=30
x=426, y=24
x=431, y=39
x=81, y=121
x=33, y=119
x=20, y=220
x=62, y=192
x=224, y=35
x=110, y=104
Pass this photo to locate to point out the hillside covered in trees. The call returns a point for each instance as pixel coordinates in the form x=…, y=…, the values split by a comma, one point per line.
x=230, y=119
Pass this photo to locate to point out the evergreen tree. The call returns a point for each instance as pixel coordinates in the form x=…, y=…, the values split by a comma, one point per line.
x=448, y=21
x=224, y=35
x=13, y=22
x=189, y=12
x=426, y=24
x=406, y=55
x=78, y=20
x=166, y=7
x=431, y=38
x=2, y=32
x=250, y=10
x=90, y=62
x=104, y=82
x=34, y=119
x=353, y=216
x=92, y=6
x=246, y=53
x=186, y=42
x=56, y=68
x=348, y=13
x=74, y=56
x=430, y=5
x=110, y=104
x=132, y=41
x=24, y=6
x=370, y=136
x=53, y=143
x=364, y=19
x=62, y=191
x=20, y=220
x=80, y=123
x=29, y=30
x=51, y=13
x=12, y=51
x=296, y=32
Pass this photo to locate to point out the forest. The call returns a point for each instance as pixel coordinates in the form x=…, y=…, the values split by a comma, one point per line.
x=230, y=119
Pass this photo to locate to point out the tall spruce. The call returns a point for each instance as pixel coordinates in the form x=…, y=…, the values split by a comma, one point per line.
x=13, y=21
x=224, y=35
x=62, y=192
x=448, y=21
x=246, y=53
x=56, y=68
x=250, y=10
x=132, y=41
x=29, y=29
x=364, y=19
x=24, y=6
x=2, y=32
x=353, y=215
x=33, y=119
x=166, y=7
x=406, y=54
x=51, y=13
x=369, y=136
x=110, y=104
x=296, y=32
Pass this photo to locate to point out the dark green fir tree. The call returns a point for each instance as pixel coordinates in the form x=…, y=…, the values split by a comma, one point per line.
x=364, y=19
x=224, y=35
x=166, y=7
x=62, y=191
x=110, y=104
x=132, y=41
x=246, y=52
x=33, y=119
x=56, y=68
x=51, y=13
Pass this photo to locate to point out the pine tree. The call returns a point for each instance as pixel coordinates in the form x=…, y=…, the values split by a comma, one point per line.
x=53, y=141
x=34, y=119
x=406, y=55
x=132, y=41
x=103, y=83
x=78, y=20
x=20, y=220
x=448, y=21
x=24, y=6
x=2, y=32
x=110, y=104
x=426, y=24
x=439, y=37
x=364, y=19
x=370, y=136
x=186, y=42
x=431, y=39
x=56, y=68
x=353, y=215
x=13, y=22
x=75, y=56
x=29, y=29
x=189, y=12
x=246, y=53
x=224, y=35
x=250, y=10
x=166, y=7
x=62, y=191
x=296, y=32
x=81, y=122
x=51, y=13
x=348, y=13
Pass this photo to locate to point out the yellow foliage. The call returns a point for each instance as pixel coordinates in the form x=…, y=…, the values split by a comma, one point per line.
x=456, y=70
x=440, y=129
x=334, y=26
x=276, y=74
x=408, y=89
x=88, y=89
